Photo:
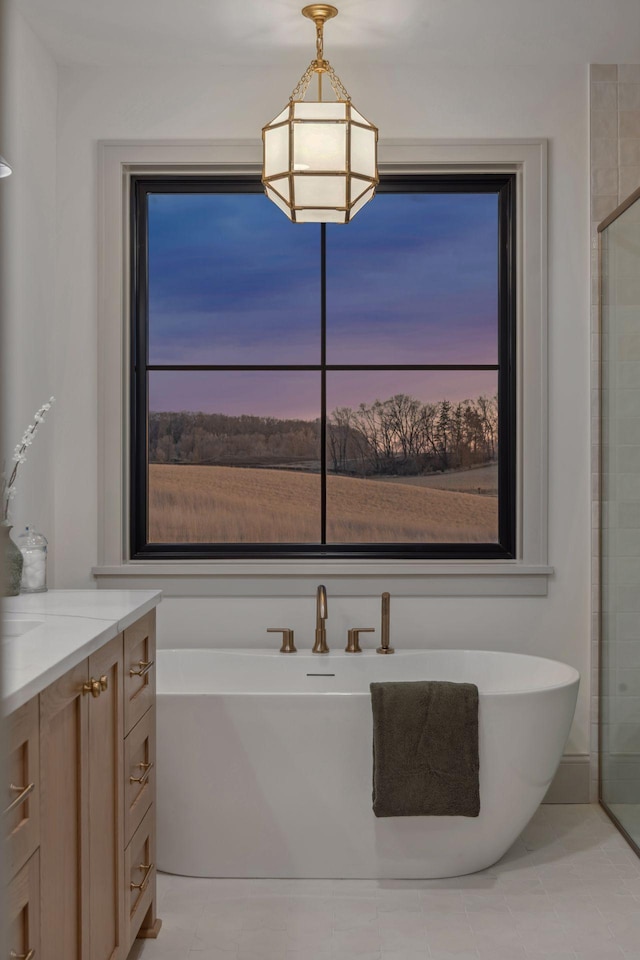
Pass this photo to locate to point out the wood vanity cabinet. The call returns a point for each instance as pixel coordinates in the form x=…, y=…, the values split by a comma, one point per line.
x=77, y=822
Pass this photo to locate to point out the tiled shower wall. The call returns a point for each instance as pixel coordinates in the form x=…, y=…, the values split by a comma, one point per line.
x=615, y=174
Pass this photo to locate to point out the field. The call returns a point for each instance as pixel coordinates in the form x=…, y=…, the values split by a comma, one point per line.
x=482, y=481
x=199, y=504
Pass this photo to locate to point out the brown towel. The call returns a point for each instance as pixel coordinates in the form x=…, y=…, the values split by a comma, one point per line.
x=425, y=749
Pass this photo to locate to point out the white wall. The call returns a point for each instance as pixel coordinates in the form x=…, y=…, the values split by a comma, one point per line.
x=28, y=268
x=418, y=101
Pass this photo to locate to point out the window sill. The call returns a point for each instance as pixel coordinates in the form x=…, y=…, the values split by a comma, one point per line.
x=454, y=578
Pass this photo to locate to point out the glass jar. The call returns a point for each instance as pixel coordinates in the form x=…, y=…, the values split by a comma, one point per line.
x=33, y=546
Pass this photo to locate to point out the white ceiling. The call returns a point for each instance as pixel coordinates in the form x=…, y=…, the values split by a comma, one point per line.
x=262, y=32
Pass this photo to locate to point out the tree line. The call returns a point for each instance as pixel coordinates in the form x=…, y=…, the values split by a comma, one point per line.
x=243, y=440
x=400, y=435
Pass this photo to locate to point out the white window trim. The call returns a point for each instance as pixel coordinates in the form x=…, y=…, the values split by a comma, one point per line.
x=527, y=574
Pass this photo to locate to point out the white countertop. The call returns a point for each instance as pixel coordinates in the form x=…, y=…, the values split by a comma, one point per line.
x=67, y=627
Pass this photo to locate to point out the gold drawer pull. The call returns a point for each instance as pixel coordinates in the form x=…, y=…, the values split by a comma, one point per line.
x=22, y=956
x=142, y=886
x=143, y=668
x=146, y=767
x=23, y=793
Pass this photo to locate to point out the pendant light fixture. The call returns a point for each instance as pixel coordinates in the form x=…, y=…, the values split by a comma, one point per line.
x=320, y=156
x=5, y=169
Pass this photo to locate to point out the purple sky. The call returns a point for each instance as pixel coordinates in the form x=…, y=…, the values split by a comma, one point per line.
x=412, y=280
x=297, y=393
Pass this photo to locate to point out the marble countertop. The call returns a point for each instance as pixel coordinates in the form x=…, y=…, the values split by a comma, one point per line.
x=62, y=628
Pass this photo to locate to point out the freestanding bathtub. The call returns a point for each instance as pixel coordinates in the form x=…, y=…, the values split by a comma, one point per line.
x=265, y=762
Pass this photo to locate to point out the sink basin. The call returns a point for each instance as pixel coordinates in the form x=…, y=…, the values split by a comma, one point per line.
x=16, y=628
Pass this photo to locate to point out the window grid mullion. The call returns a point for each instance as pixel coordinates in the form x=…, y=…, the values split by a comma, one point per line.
x=331, y=367
x=323, y=383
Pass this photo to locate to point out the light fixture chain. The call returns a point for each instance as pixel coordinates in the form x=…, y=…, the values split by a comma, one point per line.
x=300, y=90
x=338, y=86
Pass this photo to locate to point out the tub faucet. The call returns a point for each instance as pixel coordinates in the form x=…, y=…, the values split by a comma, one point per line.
x=320, y=645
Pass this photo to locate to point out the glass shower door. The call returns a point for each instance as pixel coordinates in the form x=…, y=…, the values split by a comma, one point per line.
x=620, y=517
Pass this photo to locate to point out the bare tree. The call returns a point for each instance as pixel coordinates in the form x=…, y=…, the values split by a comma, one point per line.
x=397, y=435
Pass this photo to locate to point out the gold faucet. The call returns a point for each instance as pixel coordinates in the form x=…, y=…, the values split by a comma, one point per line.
x=320, y=645
x=386, y=620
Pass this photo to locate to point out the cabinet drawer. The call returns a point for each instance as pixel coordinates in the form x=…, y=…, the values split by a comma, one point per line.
x=139, y=669
x=21, y=799
x=23, y=911
x=139, y=772
x=140, y=875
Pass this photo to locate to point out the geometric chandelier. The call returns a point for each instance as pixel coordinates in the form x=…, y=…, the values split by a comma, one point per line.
x=320, y=156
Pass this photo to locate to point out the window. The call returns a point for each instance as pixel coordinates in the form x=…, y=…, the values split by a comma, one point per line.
x=312, y=391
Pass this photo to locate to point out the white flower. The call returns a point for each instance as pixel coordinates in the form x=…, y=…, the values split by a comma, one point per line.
x=8, y=486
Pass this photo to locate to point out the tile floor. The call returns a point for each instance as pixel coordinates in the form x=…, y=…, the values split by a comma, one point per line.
x=569, y=889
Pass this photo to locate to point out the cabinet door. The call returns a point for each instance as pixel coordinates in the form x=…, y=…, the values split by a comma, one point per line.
x=23, y=911
x=64, y=847
x=22, y=813
x=140, y=881
x=105, y=812
x=140, y=674
x=139, y=772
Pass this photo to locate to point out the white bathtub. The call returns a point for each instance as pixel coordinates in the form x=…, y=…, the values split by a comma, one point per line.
x=264, y=770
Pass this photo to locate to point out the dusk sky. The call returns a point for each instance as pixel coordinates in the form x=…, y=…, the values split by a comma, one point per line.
x=412, y=280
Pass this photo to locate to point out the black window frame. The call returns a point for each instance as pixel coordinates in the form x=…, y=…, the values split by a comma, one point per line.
x=504, y=186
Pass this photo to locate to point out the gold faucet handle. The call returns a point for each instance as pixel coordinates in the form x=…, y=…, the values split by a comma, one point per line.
x=353, y=635
x=288, y=646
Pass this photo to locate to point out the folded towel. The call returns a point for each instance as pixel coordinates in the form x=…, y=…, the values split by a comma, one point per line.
x=425, y=749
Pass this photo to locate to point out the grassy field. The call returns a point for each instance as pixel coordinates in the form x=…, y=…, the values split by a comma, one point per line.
x=482, y=481
x=196, y=504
